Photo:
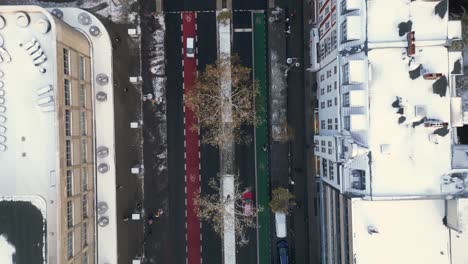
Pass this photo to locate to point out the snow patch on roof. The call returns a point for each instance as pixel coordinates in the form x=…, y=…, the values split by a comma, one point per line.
x=404, y=232
x=394, y=98
x=385, y=17
x=7, y=251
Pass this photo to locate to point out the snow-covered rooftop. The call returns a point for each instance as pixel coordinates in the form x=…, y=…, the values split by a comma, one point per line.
x=404, y=232
x=399, y=100
x=389, y=21
x=27, y=120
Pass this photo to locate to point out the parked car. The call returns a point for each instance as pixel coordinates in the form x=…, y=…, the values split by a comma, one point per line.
x=190, y=48
x=282, y=246
x=280, y=224
x=247, y=201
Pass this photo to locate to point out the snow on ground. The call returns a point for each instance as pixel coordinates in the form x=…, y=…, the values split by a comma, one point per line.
x=119, y=11
x=116, y=10
x=384, y=18
x=278, y=99
x=410, y=144
x=405, y=232
x=6, y=251
x=157, y=63
x=104, y=133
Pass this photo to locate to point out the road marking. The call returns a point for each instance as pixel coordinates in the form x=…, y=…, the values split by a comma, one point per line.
x=243, y=30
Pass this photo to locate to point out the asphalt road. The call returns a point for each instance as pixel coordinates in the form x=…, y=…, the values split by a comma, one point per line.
x=249, y=4
x=174, y=249
x=188, y=5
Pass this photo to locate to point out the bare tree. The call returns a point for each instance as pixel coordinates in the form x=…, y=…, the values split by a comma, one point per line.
x=281, y=200
x=211, y=209
x=208, y=102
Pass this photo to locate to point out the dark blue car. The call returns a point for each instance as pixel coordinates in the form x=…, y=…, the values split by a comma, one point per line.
x=282, y=246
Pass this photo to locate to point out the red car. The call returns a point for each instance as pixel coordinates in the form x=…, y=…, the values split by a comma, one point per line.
x=247, y=201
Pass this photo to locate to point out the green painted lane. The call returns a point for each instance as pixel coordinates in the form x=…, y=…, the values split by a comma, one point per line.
x=261, y=138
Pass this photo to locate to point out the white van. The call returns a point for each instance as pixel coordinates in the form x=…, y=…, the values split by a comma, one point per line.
x=280, y=223
x=190, y=48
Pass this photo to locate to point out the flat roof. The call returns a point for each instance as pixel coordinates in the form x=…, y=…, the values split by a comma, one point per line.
x=30, y=130
x=29, y=162
x=404, y=232
x=400, y=101
x=388, y=21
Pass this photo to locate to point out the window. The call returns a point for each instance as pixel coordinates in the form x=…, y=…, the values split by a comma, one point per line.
x=85, y=258
x=346, y=73
x=70, y=244
x=328, y=88
x=336, y=101
x=329, y=144
x=83, y=150
x=327, y=10
x=322, y=124
x=328, y=47
x=330, y=151
x=69, y=183
x=84, y=179
x=344, y=29
x=83, y=123
x=322, y=105
x=68, y=152
x=334, y=70
x=324, y=168
x=322, y=91
x=347, y=123
x=333, y=16
x=81, y=73
x=84, y=234
x=322, y=51
x=322, y=77
x=336, y=123
x=69, y=214
x=336, y=85
x=343, y=6
x=331, y=170
x=359, y=179
x=66, y=88
x=346, y=99
x=329, y=103
x=330, y=124
x=327, y=25
x=317, y=146
x=82, y=95
x=66, y=61
x=334, y=40
x=84, y=206
x=67, y=123
x=328, y=74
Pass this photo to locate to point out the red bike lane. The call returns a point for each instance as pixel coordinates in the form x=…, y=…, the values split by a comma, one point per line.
x=192, y=144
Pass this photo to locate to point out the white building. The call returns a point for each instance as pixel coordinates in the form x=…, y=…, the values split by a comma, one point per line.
x=387, y=118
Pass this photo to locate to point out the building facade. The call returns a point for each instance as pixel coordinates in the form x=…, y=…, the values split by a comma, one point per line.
x=386, y=129
x=75, y=118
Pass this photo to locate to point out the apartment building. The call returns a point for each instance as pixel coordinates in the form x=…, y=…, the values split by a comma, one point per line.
x=46, y=117
x=386, y=149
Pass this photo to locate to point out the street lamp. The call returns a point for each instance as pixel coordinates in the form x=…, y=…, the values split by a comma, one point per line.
x=291, y=62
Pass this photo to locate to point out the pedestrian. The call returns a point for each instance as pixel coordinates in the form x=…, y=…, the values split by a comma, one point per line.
x=139, y=206
x=126, y=218
x=291, y=181
x=264, y=147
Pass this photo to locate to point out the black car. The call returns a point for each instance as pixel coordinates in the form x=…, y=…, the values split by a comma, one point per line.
x=282, y=246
